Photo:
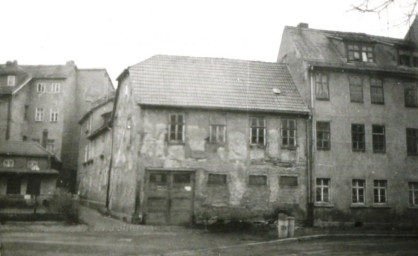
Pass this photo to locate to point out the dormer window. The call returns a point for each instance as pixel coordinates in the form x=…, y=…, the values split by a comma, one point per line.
x=8, y=163
x=407, y=58
x=358, y=52
x=11, y=80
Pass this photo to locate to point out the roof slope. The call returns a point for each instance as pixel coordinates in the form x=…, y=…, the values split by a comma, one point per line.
x=23, y=148
x=215, y=83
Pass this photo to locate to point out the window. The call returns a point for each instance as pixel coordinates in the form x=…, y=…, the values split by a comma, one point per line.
x=13, y=185
x=53, y=115
x=34, y=185
x=376, y=91
x=360, y=52
x=321, y=85
x=11, y=80
x=412, y=141
x=217, y=133
x=288, y=181
x=25, y=113
x=56, y=87
x=8, y=163
x=40, y=88
x=356, y=88
x=358, y=192
x=322, y=190
x=379, y=140
x=181, y=178
x=357, y=137
x=50, y=145
x=323, y=135
x=158, y=178
x=405, y=58
x=257, y=180
x=289, y=132
x=39, y=114
x=88, y=125
x=258, y=131
x=176, y=128
x=32, y=164
x=413, y=193
x=379, y=191
x=411, y=99
x=216, y=179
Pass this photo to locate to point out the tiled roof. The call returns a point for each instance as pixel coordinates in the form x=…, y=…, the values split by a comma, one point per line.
x=324, y=46
x=23, y=148
x=27, y=170
x=215, y=83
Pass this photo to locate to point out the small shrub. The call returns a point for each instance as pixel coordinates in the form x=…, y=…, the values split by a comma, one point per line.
x=65, y=204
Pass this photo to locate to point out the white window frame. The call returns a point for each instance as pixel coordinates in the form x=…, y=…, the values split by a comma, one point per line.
x=40, y=87
x=39, y=114
x=322, y=187
x=176, y=125
x=55, y=87
x=9, y=163
x=358, y=189
x=219, y=131
x=259, y=127
x=413, y=194
x=11, y=80
x=289, y=132
x=53, y=117
x=379, y=188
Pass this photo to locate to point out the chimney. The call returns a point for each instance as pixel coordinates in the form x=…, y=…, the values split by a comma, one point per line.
x=70, y=63
x=303, y=25
x=11, y=63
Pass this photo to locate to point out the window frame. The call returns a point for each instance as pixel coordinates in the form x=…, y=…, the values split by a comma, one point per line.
x=324, y=85
x=39, y=115
x=413, y=194
x=322, y=139
x=377, y=187
x=365, y=51
x=287, y=131
x=321, y=188
x=375, y=87
x=11, y=80
x=219, y=136
x=358, y=192
x=40, y=87
x=412, y=141
x=353, y=86
x=358, y=143
x=56, y=87
x=53, y=115
x=260, y=128
x=176, y=125
x=411, y=96
x=376, y=135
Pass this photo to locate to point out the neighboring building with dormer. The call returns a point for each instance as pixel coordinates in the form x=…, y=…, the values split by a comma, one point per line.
x=206, y=137
x=44, y=103
x=363, y=94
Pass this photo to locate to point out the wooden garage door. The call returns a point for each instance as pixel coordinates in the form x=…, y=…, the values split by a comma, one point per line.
x=169, y=197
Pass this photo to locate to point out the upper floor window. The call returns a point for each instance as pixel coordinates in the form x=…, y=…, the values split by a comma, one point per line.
x=258, y=131
x=379, y=139
x=289, y=132
x=217, y=133
x=322, y=87
x=53, y=115
x=380, y=191
x=323, y=133
x=216, y=179
x=40, y=88
x=257, y=180
x=358, y=191
x=56, y=87
x=11, y=80
x=50, y=145
x=376, y=91
x=411, y=96
x=356, y=88
x=412, y=141
x=176, y=128
x=39, y=114
x=323, y=190
x=357, y=137
x=8, y=163
x=360, y=52
x=413, y=193
x=407, y=58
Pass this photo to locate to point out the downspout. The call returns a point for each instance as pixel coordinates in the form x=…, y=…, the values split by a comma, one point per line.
x=309, y=139
x=109, y=171
x=9, y=117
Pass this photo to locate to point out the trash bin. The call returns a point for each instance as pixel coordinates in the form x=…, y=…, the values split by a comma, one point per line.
x=290, y=226
x=282, y=226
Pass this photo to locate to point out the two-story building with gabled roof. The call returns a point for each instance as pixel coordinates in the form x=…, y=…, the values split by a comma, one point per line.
x=43, y=104
x=207, y=137
x=362, y=91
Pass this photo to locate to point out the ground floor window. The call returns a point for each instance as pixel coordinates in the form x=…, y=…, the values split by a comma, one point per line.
x=13, y=184
x=34, y=185
x=322, y=190
x=358, y=191
x=413, y=193
x=380, y=191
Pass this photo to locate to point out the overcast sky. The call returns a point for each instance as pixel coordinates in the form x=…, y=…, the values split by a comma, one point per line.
x=118, y=34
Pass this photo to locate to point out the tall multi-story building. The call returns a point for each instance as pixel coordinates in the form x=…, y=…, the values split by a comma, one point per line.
x=44, y=103
x=362, y=92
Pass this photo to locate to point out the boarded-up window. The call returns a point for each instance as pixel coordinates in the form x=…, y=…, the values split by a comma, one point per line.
x=356, y=88
x=216, y=179
x=288, y=181
x=258, y=180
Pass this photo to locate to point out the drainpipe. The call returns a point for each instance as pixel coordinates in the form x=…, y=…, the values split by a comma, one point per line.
x=309, y=138
x=9, y=117
x=109, y=171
